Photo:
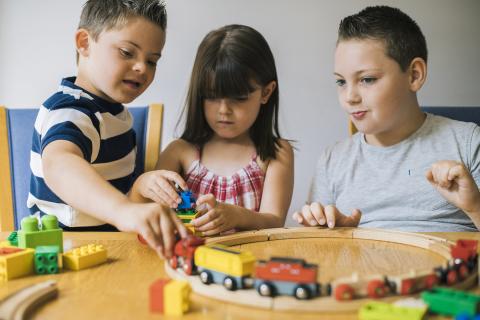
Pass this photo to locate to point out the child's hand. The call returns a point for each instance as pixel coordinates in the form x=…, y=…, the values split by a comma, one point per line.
x=455, y=183
x=315, y=214
x=158, y=186
x=155, y=223
x=216, y=218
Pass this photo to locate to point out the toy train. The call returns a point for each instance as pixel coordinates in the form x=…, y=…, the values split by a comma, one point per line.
x=236, y=269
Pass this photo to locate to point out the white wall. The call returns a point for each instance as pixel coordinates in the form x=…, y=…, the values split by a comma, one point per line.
x=36, y=50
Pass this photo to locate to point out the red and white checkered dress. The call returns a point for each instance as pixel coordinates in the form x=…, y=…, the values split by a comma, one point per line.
x=243, y=188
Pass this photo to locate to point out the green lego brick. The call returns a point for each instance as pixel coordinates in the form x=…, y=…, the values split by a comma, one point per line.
x=451, y=302
x=30, y=236
x=46, y=259
x=13, y=238
x=384, y=311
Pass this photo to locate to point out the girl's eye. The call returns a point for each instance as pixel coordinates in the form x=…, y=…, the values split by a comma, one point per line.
x=368, y=80
x=125, y=53
x=340, y=82
x=152, y=63
x=241, y=98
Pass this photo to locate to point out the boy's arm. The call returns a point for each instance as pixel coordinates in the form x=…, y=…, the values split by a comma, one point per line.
x=276, y=196
x=455, y=183
x=320, y=208
x=75, y=181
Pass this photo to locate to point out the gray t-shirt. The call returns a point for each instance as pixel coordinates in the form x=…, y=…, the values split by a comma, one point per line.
x=388, y=184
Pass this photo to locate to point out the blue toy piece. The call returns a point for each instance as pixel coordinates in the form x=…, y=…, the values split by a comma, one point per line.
x=188, y=203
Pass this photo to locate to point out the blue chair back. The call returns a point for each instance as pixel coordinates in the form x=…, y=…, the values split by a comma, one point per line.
x=467, y=114
x=20, y=126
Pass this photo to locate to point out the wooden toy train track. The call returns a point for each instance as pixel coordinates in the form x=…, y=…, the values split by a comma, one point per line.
x=321, y=303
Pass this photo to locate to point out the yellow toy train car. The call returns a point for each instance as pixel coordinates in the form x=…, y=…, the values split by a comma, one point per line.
x=221, y=264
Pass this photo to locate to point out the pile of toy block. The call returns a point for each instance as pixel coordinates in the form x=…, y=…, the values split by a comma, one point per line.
x=38, y=249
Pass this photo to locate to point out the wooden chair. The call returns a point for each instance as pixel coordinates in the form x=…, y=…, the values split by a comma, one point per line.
x=16, y=130
x=467, y=114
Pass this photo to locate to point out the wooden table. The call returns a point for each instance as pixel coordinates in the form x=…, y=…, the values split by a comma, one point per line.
x=119, y=288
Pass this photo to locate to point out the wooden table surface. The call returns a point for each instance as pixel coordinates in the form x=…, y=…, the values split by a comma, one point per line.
x=119, y=288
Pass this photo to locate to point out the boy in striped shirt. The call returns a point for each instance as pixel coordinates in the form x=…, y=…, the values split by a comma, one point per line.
x=83, y=151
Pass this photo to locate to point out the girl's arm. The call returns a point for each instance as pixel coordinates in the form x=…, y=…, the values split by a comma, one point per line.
x=277, y=192
x=276, y=197
x=157, y=185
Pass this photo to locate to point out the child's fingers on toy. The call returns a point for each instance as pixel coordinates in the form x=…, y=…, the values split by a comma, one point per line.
x=208, y=199
x=331, y=213
x=201, y=212
x=153, y=240
x=175, y=177
x=213, y=230
x=152, y=195
x=179, y=225
x=165, y=190
x=168, y=234
x=317, y=211
x=207, y=221
x=308, y=216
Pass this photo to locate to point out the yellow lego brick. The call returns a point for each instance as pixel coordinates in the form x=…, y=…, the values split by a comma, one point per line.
x=15, y=262
x=84, y=257
x=375, y=310
x=176, y=295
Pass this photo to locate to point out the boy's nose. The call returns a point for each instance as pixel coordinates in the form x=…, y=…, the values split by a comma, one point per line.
x=139, y=67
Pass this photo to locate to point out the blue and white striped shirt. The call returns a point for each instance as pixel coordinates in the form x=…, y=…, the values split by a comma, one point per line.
x=101, y=129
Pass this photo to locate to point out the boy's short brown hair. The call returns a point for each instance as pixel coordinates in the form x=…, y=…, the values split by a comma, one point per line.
x=401, y=35
x=100, y=15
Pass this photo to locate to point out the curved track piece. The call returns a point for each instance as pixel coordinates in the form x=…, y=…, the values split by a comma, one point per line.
x=18, y=305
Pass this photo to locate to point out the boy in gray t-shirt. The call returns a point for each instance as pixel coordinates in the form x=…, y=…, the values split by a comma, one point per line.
x=404, y=169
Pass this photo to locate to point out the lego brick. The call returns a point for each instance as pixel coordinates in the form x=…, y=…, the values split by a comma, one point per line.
x=46, y=259
x=156, y=295
x=15, y=262
x=84, y=257
x=176, y=295
x=31, y=236
x=448, y=301
x=170, y=297
x=384, y=311
x=13, y=238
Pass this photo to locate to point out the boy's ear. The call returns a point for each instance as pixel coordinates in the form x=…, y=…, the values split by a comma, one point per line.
x=418, y=74
x=82, y=42
x=267, y=91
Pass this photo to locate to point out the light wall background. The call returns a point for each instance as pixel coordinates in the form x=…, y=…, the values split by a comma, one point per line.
x=36, y=51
